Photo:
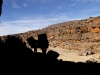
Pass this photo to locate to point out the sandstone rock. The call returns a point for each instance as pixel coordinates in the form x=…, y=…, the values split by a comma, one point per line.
x=83, y=53
x=91, y=60
x=90, y=52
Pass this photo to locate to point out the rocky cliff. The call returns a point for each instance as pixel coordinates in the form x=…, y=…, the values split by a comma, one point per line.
x=78, y=34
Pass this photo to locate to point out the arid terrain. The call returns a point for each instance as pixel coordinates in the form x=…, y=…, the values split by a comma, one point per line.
x=72, y=55
x=77, y=40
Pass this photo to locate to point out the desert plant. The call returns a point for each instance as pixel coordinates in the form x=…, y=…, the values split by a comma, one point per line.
x=91, y=47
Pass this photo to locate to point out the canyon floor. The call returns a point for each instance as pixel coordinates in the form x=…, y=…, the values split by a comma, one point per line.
x=72, y=55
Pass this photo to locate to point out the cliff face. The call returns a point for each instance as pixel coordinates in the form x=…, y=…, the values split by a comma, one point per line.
x=77, y=34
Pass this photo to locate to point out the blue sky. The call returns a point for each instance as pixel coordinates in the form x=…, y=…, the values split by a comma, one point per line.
x=19, y=16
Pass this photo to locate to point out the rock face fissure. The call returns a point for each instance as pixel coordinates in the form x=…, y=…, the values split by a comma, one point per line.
x=77, y=34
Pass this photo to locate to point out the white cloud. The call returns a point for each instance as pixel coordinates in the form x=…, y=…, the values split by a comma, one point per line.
x=45, y=1
x=42, y=1
x=14, y=5
x=5, y=1
x=26, y=24
x=24, y=4
x=10, y=29
x=87, y=0
x=76, y=2
x=73, y=4
x=33, y=0
x=40, y=7
x=92, y=10
x=61, y=7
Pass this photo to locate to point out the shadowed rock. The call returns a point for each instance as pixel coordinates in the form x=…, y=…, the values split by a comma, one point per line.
x=33, y=43
x=1, y=2
x=43, y=42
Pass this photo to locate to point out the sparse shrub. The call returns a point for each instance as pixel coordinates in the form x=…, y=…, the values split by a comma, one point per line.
x=90, y=17
x=91, y=47
x=91, y=20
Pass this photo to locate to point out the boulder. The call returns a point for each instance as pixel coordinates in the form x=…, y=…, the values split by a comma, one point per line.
x=90, y=52
x=83, y=53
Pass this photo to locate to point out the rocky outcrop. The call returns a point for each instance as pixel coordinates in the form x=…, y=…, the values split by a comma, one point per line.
x=85, y=53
